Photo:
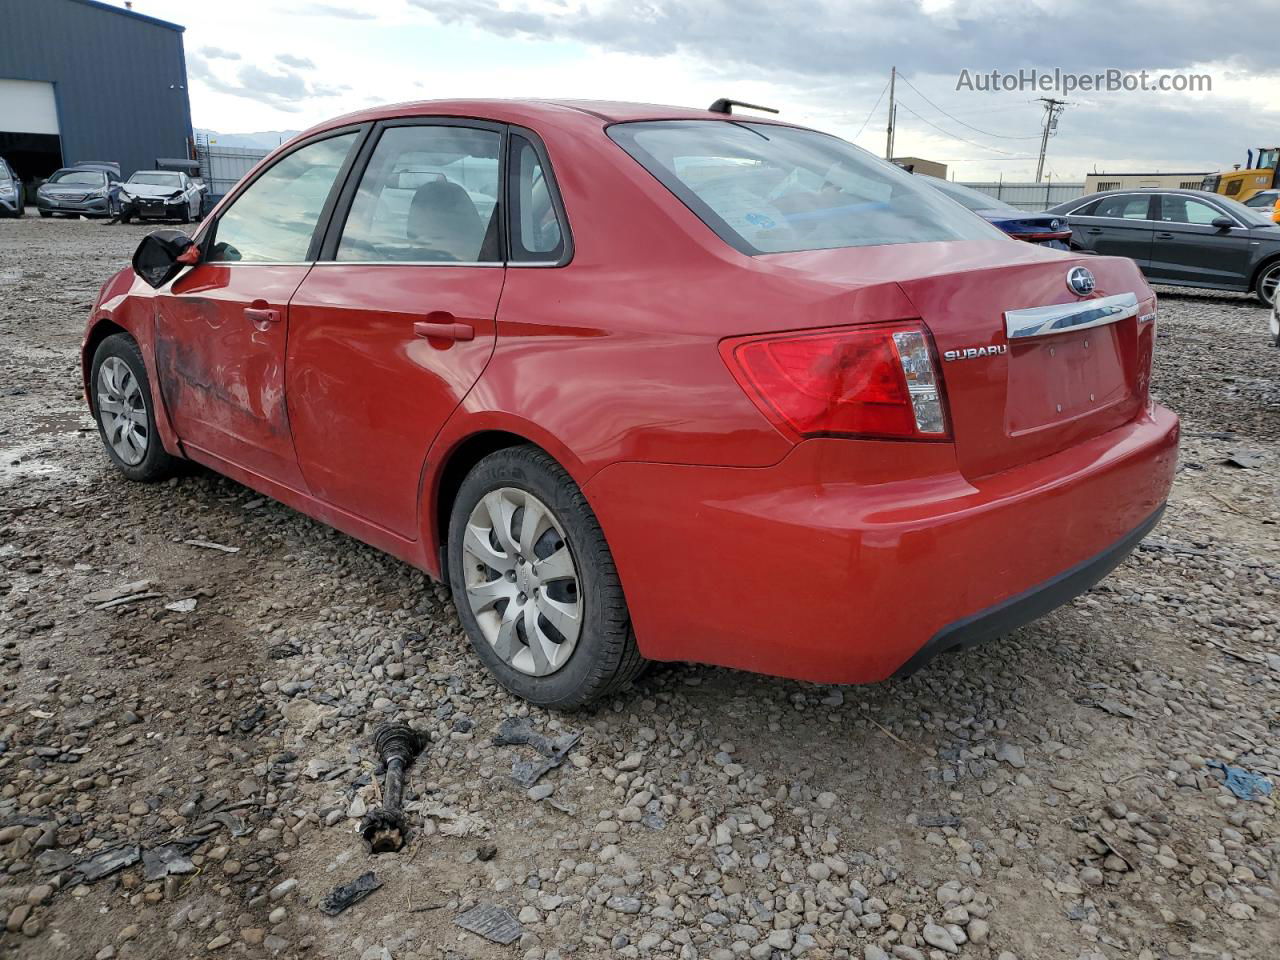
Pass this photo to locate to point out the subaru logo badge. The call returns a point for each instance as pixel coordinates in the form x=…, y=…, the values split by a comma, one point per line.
x=1080, y=281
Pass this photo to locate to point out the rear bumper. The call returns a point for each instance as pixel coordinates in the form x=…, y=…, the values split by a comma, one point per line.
x=1029, y=605
x=853, y=561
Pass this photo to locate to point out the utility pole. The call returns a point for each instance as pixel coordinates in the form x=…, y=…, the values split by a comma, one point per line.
x=893, y=112
x=1052, y=110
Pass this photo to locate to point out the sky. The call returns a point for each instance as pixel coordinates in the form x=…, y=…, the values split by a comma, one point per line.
x=258, y=65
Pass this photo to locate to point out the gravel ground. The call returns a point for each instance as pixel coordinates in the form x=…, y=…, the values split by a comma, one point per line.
x=1047, y=796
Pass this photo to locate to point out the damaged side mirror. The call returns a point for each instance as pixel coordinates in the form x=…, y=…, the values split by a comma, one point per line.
x=162, y=254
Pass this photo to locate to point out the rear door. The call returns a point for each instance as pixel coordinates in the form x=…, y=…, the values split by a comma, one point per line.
x=1188, y=247
x=221, y=326
x=1117, y=226
x=397, y=320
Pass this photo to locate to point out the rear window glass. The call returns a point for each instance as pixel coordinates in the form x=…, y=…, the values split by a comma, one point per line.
x=766, y=188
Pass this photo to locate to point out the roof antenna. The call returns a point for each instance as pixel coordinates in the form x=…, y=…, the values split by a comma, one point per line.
x=724, y=105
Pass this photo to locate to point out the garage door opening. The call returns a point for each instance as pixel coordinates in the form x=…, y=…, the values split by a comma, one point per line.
x=29, y=133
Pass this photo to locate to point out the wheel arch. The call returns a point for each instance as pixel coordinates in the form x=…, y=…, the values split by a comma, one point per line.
x=455, y=457
x=1268, y=263
x=102, y=328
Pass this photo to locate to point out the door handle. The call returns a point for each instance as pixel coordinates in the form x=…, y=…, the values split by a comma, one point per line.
x=444, y=330
x=1094, y=230
x=262, y=317
x=1164, y=236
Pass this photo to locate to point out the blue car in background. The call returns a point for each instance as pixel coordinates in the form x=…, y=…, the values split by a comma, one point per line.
x=1046, y=229
x=11, y=199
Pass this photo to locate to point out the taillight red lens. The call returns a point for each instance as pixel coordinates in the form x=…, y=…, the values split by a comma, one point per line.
x=877, y=381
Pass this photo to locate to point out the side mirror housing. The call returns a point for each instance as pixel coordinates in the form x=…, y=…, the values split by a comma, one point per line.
x=1223, y=223
x=162, y=254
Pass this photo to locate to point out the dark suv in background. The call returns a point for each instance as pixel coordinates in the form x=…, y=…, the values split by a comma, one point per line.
x=11, y=199
x=1185, y=238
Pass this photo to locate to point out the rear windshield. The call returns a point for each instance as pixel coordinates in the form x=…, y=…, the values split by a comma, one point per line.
x=766, y=188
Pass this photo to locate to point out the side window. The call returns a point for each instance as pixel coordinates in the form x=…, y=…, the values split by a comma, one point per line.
x=428, y=195
x=274, y=219
x=1086, y=210
x=1123, y=208
x=1179, y=209
x=536, y=231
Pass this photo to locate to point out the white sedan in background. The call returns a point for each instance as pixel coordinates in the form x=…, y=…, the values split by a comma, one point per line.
x=160, y=195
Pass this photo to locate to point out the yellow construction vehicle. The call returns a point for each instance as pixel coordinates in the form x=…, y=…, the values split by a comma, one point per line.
x=1241, y=184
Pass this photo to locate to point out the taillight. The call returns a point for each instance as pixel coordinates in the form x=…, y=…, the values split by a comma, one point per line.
x=875, y=381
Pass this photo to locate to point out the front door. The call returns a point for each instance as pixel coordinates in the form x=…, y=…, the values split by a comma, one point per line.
x=1188, y=247
x=222, y=326
x=397, y=320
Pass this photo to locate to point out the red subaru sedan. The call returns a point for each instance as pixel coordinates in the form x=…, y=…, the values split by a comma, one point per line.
x=647, y=383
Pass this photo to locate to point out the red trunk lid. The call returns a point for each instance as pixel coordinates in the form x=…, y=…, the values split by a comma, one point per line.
x=1011, y=400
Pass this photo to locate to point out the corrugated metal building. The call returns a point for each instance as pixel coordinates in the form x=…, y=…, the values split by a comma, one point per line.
x=82, y=80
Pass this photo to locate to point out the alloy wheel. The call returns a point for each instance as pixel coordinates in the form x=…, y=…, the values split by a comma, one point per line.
x=1269, y=283
x=122, y=411
x=522, y=582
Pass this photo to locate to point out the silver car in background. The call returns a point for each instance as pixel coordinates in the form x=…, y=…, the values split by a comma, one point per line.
x=11, y=199
x=88, y=189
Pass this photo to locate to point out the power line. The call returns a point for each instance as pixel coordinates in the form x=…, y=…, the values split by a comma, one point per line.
x=872, y=112
x=985, y=133
x=947, y=133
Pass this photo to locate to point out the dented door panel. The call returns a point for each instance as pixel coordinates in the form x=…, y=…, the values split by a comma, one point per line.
x=220, y=341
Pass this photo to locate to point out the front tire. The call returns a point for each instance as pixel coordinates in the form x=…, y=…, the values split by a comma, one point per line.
x=535, y=584
x=121, y=395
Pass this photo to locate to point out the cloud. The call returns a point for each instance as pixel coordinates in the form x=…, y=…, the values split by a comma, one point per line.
x=217, y=53
x=286, y=90
x=300, y=63
x=332, y=10
x=845, y=37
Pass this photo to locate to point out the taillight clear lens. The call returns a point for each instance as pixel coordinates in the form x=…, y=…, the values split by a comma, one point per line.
x=878, y=381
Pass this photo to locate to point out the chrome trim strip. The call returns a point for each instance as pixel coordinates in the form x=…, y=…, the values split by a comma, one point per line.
x=409, y=263
x=1063, y=317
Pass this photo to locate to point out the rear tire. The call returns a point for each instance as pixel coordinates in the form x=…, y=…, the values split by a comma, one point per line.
x=121, y=395
x=46, y=213
x=1268, y=283
x=602, y=655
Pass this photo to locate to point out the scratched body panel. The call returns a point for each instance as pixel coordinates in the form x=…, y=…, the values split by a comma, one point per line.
x=222, y=373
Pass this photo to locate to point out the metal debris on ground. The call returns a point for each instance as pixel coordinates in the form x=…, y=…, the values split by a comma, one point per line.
x=118, y=592
x=384, y=828
x=106, y=862
x=491, y=922
x=339, y=898
x=938, y=821
x=515, y=731
x=170, y=858
x=210, y=545
x=1244, y=459
x=1245, y=785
